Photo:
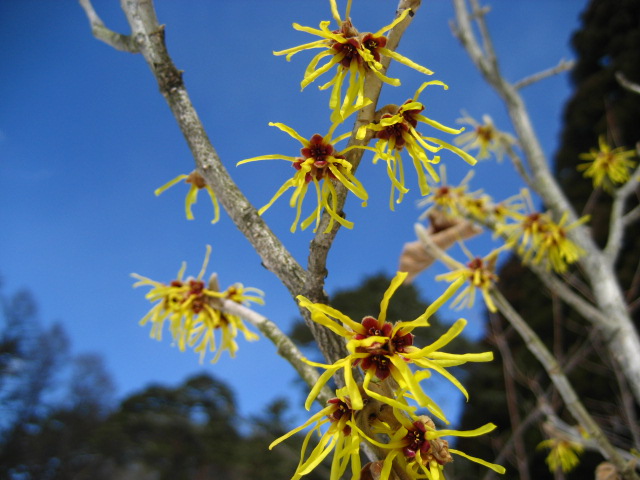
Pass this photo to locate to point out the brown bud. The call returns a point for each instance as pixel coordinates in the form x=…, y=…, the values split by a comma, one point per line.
x=196, y=179
x=371, y=471
x=607, y=471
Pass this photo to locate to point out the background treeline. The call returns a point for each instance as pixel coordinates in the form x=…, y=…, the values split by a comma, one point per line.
x=59, y=419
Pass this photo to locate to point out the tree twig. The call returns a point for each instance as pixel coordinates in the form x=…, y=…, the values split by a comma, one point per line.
x=626, y=83
x=508, y=364
x=285, y=346
x=618, y=219
x=124, y=43
x=561, y=383
x=563, y=66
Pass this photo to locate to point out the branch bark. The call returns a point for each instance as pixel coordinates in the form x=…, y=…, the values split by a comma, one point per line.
x=286, y=348
x=560, y=381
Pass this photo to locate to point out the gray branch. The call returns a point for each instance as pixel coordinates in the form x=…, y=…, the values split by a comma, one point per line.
x=563, y=66
x=619, y=221
x=562, y=385
x=116, y=40
x=626, y=83
x=286, y=348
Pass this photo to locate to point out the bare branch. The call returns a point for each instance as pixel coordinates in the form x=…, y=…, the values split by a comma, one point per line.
x=478, y=14
x=626, y=83
x=124, y=43
x=508, y=372
x=286, y=348
x=578, y=303
x=619, y=221
x=563, y=66
x=560, y=381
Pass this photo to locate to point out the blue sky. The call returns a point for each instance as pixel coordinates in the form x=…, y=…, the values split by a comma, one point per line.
x=85, y=138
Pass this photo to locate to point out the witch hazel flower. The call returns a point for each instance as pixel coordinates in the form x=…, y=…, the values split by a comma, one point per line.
x=337, y=427
x=419, y=449
x=484, y=137
x=319, y=164
x=449, y=199
x=607, y=167
x=384, y=350
x=197, y=183
x=539, y=239
x=193, y=311
x=479, y=274
x=396, y=132
x=202, y=334
x=354, y=55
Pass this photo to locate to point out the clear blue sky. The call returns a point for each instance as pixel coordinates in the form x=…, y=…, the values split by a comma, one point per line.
x=85, y=138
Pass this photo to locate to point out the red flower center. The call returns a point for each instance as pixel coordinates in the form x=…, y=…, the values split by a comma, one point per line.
x=350, y=51
x=416, y=440
x=372, y=44
x=485, y=133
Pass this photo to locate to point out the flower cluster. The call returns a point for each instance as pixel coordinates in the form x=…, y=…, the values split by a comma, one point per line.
x=420, y=450
x=320, y=164
x=343, y=437
x=385, y=353
x=194, y=311
x=395, y=131
x=607, y=167
x=540, y=240
x=197, y=183
x=535, y=236
x=354, y=54
x=457, y=202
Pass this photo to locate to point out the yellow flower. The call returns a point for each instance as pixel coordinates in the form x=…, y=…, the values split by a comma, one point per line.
x=485, y=137
x=197, y=184
x=354, y=54
x=607, y=167
x=417, y=446
x=396, y=132
x=450, y=200
x=563, y=454
x=343, y=437
x=319, y=162
x=505, y=209
x=479, y=273
x=384, y=350
x=540, y=240
x=193, y=311
x=202, y=334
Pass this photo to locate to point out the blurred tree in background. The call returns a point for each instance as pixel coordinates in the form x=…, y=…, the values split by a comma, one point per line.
x=60, y=420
